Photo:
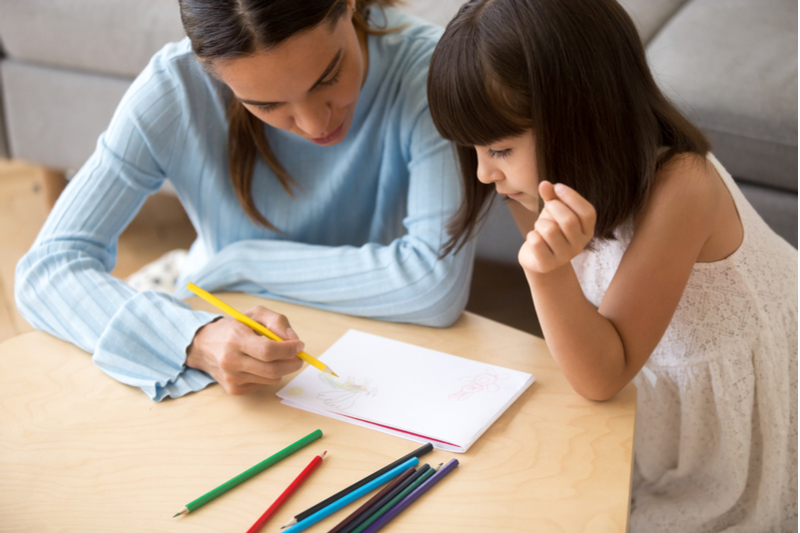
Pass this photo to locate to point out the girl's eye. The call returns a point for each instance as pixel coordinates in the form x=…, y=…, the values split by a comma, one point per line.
x=333, y=80
x=267, y=108
x=499, y=154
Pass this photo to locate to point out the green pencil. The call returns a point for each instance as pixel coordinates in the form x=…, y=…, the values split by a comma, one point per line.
x=391, y=503
x=247, y=474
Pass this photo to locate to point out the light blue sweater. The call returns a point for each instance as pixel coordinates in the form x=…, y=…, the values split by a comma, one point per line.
x=362, y=236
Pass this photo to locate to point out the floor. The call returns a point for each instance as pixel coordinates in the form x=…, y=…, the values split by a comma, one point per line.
x=498, y=291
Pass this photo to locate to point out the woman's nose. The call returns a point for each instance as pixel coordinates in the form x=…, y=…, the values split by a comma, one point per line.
x=313, y=120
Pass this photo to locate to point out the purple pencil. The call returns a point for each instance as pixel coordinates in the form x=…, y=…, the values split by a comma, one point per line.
x=408, y=500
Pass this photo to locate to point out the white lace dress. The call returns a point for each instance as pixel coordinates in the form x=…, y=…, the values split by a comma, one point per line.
x=716, y=425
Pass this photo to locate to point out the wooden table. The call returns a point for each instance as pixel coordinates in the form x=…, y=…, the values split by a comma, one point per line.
x=82, y=452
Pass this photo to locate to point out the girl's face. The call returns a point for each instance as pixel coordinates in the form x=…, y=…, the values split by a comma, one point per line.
x=308, y=85
x=510, y=164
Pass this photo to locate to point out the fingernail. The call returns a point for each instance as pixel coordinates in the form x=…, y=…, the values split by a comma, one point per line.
x=302, y=347
x=560, y=187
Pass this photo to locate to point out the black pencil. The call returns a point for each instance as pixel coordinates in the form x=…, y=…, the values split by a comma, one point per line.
x=422, y=450
x=356, y=523
x=379, y=496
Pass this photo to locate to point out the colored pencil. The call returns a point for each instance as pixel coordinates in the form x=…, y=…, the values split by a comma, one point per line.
x=255, y=326
x=250, y=472
x=353, y=496
x=394, y=501
x=367, y=512
x=386, y=498
x=315, y=462
x=375, y=499
x=422, y=450
x=411, y=498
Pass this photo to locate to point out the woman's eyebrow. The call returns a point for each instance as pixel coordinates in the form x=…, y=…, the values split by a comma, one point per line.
x=324, y=75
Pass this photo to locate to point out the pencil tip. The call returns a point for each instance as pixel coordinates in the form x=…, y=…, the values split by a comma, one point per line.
x=181, y=512
x=334, y=374
x=324, y=453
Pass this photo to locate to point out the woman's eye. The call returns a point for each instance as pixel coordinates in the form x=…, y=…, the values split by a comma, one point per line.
x=333, y=80
x=499, y=154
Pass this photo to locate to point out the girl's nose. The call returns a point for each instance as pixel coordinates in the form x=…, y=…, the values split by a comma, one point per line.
x=487, y=173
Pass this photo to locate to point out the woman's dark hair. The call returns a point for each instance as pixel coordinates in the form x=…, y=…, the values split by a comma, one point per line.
x=575, y=73
x=229, y=29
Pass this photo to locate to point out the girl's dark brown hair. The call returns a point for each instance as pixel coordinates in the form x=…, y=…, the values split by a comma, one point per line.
x=229, y=29
x=575, y=73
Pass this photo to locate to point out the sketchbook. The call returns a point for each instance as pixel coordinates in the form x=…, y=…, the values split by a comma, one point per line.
x=405, y=390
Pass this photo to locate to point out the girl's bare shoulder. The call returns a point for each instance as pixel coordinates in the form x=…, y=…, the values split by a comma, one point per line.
x=689, y=194
x=686, y=186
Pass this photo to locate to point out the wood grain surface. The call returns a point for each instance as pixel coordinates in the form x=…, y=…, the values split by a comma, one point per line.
x=81, y=452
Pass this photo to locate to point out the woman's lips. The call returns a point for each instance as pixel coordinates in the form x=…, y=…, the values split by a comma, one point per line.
x=330, y=137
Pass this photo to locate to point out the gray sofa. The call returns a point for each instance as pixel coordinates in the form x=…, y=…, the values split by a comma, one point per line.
x=730, y=64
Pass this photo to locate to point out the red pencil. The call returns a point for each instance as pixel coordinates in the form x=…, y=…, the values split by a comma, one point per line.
x=255, y=528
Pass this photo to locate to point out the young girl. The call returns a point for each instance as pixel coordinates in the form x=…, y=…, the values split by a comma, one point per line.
x=298, y=138
x=644, y=260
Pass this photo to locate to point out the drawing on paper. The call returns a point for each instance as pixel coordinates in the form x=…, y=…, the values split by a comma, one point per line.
x=487, y=381
x=344, y=394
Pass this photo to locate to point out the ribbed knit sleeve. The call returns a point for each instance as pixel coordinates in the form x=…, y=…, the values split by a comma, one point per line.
x=63, y=284
x=361, y=236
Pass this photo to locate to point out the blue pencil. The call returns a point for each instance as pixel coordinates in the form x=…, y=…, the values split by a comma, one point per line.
x=408, y=500
x=351, y=497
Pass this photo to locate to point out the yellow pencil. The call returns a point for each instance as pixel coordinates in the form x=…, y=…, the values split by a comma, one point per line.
x=258, y=328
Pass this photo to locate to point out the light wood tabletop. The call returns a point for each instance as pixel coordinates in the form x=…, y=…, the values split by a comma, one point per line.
x=82, y=452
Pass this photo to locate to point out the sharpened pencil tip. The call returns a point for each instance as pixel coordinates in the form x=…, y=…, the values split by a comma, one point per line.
x=334, y=374
x=290, y=523
x=181, y=512
x=324, y=454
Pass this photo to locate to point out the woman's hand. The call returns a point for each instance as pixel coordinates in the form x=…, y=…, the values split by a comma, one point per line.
x=241, y=360
x=564, y=228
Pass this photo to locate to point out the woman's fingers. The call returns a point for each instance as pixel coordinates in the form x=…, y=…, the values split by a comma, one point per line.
x=242, y=360
x=275, y=322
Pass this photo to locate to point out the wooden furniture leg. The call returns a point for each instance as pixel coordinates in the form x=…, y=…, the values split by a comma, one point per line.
x=52, y=182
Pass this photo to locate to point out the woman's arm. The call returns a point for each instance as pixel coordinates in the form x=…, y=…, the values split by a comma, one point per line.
x=64, y=286
x=403, y=280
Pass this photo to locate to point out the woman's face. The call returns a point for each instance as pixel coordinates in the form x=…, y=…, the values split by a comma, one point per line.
x=307, y=85
x=510, y=164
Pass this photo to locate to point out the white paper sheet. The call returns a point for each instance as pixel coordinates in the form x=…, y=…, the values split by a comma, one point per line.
x=408, y=391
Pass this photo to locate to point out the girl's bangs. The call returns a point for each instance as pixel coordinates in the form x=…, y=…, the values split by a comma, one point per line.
x=469, y=106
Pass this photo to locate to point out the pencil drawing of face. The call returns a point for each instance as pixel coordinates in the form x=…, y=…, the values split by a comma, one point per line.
x=482, y=382
x=344, y=394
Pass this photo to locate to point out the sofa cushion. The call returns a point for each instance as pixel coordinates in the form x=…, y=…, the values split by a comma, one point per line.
x=650, y=15
x=105, y=36
x=731, y=66
x=71, y=110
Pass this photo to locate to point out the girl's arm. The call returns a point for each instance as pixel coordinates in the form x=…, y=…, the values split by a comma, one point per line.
x=601, y=350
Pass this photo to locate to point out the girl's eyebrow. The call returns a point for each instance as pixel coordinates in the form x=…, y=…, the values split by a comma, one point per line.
x=324, y=75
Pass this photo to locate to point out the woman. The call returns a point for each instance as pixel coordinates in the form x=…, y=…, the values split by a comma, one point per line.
x=300, y=143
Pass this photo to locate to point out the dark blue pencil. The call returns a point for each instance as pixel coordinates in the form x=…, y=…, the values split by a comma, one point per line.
x=368, y=512
x=408, y=500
